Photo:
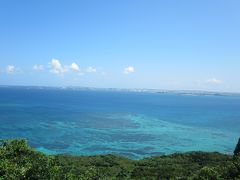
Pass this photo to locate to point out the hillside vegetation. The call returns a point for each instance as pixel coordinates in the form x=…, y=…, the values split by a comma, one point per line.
x=19, y=161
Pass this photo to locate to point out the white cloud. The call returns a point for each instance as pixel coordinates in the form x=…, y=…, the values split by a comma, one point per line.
x=91, y=69
x=38, y=67
x=74, y=67
x=128, y=70
x=214, y=81
x=57, y=68
x=10, y=69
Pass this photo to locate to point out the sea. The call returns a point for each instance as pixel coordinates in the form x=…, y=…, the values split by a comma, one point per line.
x=131, y=124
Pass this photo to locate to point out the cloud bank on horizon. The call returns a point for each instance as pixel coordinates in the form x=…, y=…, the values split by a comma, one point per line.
x=57, y=68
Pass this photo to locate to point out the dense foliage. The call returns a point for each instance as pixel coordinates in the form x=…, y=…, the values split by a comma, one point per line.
x=19, y=161
x=237, y=149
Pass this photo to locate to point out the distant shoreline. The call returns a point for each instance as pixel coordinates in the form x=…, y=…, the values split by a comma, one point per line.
x=137, y=90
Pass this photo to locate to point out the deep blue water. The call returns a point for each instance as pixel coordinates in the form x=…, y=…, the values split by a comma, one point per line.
x=131, y=124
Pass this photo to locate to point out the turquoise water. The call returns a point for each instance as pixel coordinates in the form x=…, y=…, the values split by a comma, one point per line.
x=131, y=124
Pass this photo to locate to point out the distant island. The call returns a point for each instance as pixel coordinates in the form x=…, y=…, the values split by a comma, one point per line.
x=139, y=90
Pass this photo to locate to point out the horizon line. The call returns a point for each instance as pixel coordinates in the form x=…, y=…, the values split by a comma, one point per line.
x=130, y=89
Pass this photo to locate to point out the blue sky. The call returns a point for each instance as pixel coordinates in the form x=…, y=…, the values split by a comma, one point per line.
x=164, y=44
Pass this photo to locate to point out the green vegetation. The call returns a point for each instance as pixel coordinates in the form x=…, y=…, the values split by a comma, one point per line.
x=19, y=161
x=237, y=149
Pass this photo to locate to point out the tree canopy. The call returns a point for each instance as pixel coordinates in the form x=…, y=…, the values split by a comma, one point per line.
x=19, y=161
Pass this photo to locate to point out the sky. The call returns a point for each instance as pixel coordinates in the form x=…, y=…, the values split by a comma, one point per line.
x=154, y=44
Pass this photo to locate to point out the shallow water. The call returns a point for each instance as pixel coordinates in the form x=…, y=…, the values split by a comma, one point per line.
x=131, y=124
